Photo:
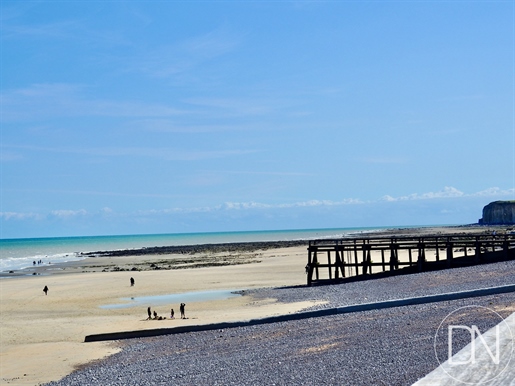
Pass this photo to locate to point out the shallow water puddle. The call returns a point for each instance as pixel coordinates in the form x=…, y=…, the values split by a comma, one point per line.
x=186, y=297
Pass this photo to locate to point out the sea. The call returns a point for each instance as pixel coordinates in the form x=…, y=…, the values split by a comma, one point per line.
x=16, y=254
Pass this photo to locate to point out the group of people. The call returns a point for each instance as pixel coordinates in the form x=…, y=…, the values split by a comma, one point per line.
x=154, y=316
x=172, y=313
x=39, y=262
x=149, y=310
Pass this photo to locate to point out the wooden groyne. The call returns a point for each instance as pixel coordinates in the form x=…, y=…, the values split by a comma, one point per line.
x=365, y=255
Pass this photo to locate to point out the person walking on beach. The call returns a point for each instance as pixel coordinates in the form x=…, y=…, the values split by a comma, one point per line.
x=132, y=281
x=149, y=312
x=183, y=315
x=45, y=290
x=172, y=314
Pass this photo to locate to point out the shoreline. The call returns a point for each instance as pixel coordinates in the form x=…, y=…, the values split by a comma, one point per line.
x=198, y=252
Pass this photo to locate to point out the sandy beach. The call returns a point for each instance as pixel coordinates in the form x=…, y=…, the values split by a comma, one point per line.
x=42, y=336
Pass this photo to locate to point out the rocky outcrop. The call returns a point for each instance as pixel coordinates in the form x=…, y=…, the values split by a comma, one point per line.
x=499, y=212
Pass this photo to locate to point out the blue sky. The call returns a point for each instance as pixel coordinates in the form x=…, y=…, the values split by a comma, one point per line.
x=188, y=116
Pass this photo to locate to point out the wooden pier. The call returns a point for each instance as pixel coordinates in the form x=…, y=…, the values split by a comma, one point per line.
x=347, y=257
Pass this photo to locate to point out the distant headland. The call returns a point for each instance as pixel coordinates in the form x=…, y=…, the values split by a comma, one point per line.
x=499, y=213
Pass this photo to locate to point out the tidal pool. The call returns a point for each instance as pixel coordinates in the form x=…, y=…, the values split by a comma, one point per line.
x=172, y=299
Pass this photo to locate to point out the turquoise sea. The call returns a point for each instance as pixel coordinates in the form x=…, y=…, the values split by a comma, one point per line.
x=21, y=253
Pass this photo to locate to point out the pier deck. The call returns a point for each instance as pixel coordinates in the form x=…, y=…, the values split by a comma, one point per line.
x=365, y=255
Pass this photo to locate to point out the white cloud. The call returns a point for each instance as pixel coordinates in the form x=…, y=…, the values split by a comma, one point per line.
x=495, y=192
x=245, y=205
x=451, y=192
x=300, y=204
x=387, y=198
x=63, y=213
x=20, y=216
x=447, y=192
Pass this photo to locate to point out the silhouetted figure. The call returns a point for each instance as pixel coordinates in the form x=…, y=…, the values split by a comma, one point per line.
x=34, y=262
x=149, y=312
x=183, y=315
x=45, y=290
x=172, y=313
x=155, y=315
x=132, y=281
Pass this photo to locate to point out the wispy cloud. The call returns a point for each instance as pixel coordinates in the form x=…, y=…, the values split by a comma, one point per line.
x=300, y=204
x=252, y=205
x=59, y=213
x=451, y=192
x=68, y=100
x=495, y=192
x=173, y=126
x=446, y=193
x=38, y=31
x=174, y=59
x=384, y=160
x=167, y=154
x=21, y=216
x=9, y=156
x=459, y=98
x=65, y=213
x=15, y=26
x=51, y=100
x=237, y=106
x=268, y=173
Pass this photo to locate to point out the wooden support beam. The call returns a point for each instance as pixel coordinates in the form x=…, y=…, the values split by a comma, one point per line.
x=356, y=265
x=394, y=261
x=329, y=264
x=309, y=266
x=421, y=256
x=364, y=262
x=315, y=265
x=477, y=246
x=339, y=264
x=382, y=260
x=449, y=253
